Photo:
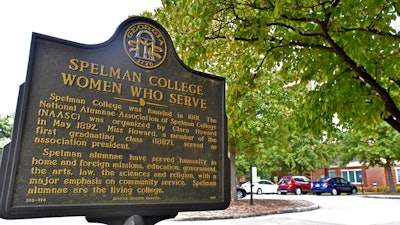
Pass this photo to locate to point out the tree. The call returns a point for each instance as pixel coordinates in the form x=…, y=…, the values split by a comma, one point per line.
x=5, y=130
x=375, y=146
x=304, y=153
x=348, y=48
x=344, y=52
x=254, y=117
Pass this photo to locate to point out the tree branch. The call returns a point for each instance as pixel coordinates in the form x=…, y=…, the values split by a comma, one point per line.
x=396, y=81
x=373, y=31
x=389, y=104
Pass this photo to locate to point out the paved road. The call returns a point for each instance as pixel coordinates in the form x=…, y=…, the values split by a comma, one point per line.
x=334, y=210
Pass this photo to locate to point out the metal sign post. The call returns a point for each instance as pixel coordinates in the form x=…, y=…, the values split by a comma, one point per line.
x=251, y=185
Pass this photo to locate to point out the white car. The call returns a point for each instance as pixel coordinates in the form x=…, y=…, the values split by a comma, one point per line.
x=261, y=187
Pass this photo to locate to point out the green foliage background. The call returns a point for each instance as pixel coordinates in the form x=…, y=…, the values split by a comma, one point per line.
x=302, y=76
x=6, y=125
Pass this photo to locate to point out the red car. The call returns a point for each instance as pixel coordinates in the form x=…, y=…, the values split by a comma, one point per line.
x=294, y=184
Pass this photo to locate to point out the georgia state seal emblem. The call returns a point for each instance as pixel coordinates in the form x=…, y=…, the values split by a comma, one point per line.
x=145, y=45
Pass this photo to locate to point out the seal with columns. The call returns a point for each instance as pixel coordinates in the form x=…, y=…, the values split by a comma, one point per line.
x=145, y=45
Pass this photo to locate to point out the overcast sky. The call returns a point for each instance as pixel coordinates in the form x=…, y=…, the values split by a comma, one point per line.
x=82, y=21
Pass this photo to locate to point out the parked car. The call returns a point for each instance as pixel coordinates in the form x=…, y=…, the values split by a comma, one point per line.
x=294, y=184
x=333, y=185
x=240, y=192
x=261, y=187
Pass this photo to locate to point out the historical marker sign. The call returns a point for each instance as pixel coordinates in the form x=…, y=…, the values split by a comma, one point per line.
x=118, y=128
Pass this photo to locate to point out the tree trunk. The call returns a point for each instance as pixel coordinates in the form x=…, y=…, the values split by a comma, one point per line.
x=392, y=189
x=233, y=171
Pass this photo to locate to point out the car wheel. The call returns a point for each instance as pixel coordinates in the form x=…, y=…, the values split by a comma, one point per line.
x=239, y=194
x=318, y=193
x=353, y=191
x=259, y=191
x=297, y=191
x=334, y=191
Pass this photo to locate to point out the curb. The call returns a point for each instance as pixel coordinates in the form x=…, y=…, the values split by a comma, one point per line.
x=245, y=215
x=265, y=213
x=382, y=196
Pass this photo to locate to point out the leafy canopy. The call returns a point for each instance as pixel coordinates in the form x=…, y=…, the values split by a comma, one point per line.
x=293, y=67
x=349, y=49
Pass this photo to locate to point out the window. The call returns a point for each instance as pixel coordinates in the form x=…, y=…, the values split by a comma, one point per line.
x=354, y=176
x=397, y=169
x=265, y=182
x=332, y=173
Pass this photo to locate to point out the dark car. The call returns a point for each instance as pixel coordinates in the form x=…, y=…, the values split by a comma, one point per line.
x=333, y=185
x=294, y=184
x=240, y=192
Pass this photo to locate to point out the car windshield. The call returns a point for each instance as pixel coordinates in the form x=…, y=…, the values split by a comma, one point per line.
x=285, y=179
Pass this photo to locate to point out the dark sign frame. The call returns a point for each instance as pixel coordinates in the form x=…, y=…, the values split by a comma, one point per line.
x=51, y=141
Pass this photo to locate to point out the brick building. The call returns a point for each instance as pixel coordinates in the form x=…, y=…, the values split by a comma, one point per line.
x=367, y=178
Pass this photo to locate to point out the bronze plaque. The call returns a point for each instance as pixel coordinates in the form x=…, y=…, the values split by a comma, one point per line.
x=117, y=128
